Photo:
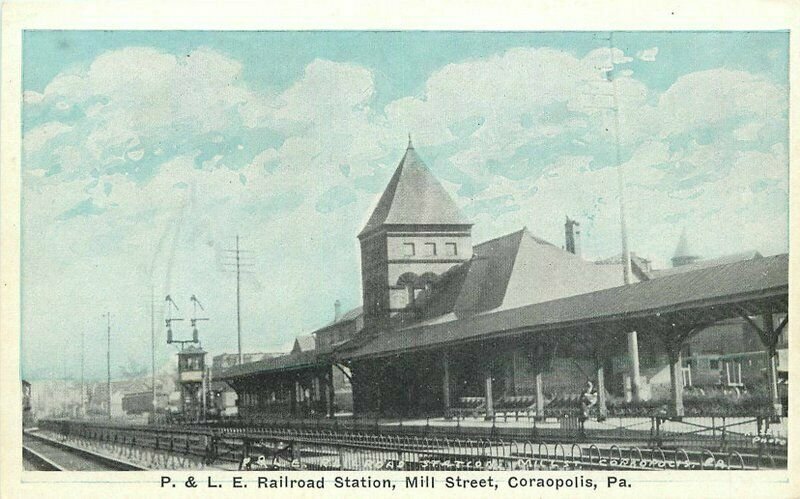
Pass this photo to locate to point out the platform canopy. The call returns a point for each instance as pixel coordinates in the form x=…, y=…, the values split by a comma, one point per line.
x=696, y=298
x=283, y=363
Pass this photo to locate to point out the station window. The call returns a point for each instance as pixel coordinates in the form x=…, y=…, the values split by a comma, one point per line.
x=451, y=249
x=430, y=249
x=408, y=249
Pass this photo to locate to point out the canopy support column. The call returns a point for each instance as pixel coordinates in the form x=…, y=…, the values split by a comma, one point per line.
x=488, y=395
x=331, y=392
x=601, y=391
x=293, y=405
x=600, y=359
x=539, y=395
x=446, y=384
x=676, y=379
x=769, y=335
x=633, y=362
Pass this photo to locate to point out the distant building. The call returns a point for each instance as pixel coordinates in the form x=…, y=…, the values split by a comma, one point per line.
x=222, y=399
x=304, y=343
x=726, y=354
x=27, y=413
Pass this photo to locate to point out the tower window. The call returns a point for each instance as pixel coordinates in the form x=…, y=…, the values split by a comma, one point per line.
x=408, y=249
x=430, y=249
x=451, y=249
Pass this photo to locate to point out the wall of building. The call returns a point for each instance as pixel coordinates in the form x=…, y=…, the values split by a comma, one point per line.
x=374, y=278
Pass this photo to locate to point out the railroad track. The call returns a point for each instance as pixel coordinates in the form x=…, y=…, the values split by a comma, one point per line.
x=41, y=453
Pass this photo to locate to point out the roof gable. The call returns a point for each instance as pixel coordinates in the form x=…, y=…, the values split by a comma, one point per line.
x=414, y=197
x=544, y=272
x=511, y=271
x=304, y=343
x=706, y=263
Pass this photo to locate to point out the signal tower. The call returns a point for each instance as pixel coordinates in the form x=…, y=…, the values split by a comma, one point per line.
x=191, y=364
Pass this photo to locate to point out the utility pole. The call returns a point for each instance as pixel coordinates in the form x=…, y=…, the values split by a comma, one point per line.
x=153, y=349
x=633, y=344
x=238, y=300
x=238, y=263
x=626, y=253
x=108, y=359
x=632, y=336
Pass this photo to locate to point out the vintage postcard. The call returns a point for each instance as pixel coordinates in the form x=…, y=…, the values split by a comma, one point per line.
x=354, y=259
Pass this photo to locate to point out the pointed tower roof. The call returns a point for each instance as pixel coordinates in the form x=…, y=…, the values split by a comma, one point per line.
x=414, y=197
x=683, y=250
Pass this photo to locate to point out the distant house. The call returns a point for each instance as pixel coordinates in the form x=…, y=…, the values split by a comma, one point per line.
x=305, y=343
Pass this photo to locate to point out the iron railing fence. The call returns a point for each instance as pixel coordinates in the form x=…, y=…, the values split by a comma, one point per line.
x=716, y=433
x=283, y=447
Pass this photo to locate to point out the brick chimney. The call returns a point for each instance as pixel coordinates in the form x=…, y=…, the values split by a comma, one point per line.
x=337, y=311
x=572, y=232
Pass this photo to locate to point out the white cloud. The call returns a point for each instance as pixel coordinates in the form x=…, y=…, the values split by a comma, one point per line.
x=710, y=97
x=748, y=132
x=647, y=55
x=520, y=132
x=37, y=138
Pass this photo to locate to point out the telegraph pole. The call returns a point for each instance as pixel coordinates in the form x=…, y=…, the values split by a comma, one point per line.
x=626, y=253
x=632, y=336
x=633, y=343
x=238, y=300
x=238, y=264
x=153, y=349
x=108, y=359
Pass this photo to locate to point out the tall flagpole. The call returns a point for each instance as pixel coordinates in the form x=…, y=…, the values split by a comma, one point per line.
x=626, y=254
x=633, y=340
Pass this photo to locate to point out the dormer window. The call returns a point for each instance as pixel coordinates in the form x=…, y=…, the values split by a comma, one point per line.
x=408, y=249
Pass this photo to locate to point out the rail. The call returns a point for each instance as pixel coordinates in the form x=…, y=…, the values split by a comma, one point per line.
x=41, y=462
x=108, y=461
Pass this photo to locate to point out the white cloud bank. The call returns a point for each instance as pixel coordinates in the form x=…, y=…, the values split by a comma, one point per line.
x=144, y=165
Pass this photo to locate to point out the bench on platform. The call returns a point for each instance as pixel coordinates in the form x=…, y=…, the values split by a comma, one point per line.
x=516, y=405
x=564, y=403
x=468, y=406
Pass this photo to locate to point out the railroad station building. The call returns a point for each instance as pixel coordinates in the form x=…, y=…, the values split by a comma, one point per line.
x=448, y=324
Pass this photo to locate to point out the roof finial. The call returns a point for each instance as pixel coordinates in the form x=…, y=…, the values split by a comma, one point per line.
x=410, y=145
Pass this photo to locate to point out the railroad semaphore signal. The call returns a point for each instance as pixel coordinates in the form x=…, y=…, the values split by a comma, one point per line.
x=191, y=362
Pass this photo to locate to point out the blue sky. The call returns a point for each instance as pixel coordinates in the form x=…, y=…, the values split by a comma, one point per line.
x=146, y=152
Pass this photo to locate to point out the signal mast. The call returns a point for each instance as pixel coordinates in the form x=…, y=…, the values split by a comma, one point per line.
x=191, y=363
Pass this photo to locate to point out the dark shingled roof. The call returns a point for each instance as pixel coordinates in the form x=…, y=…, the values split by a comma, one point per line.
x=763, y=277
x=414, y=197
x=510, y=271
x=710, y=262
x=291, y=362
x=640, y=266
x=348, y=316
